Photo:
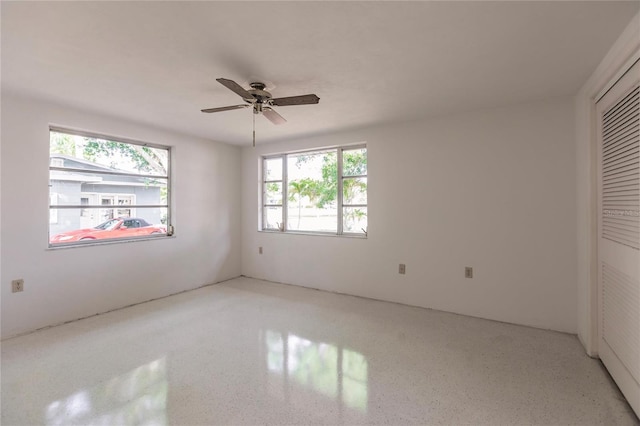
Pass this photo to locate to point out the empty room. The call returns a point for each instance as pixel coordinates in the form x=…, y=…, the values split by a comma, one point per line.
x=186, y=236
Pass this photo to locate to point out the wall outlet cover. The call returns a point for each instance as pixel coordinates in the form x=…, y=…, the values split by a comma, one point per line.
x=17, y=285
x=468, y=272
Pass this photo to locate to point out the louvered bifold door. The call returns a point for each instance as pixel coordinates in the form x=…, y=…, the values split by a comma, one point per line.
x=619, y=233
x=620, y=172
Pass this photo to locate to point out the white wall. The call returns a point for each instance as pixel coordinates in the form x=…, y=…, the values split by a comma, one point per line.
x=491, y=189
x=627, y=44
x=65, y=284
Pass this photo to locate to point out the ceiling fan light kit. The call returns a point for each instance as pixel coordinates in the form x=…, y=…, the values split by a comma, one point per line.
x=261, y=101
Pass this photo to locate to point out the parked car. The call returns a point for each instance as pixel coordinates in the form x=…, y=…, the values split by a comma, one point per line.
x=113, y=228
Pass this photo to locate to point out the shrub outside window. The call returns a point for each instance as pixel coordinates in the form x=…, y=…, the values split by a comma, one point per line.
x=322, y=191
x=103, y=189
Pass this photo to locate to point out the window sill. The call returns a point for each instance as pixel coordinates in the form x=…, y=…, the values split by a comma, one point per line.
x=107, y=242
x=315, y=234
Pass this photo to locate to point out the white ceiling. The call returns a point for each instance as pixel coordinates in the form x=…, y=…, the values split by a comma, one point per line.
x=369, y=62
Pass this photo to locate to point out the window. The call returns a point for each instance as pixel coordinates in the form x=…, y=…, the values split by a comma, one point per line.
x=321, y=191
x=106, y=189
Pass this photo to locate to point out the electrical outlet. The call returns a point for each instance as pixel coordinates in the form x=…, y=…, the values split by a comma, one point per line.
x=17, y=286
x=468, y=272
x=402, y=268
x=259, y=250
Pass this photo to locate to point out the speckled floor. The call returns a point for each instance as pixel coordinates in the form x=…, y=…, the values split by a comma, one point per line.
x=251, y=352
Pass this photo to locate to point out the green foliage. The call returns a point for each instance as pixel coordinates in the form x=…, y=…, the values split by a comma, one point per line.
x=306, y=187
x=273, y=187
x=329, y=184
x=145, y=159
x=63, y=144
x=354, y=163
x=298, y=189
x=352, y=217
x=324, y=192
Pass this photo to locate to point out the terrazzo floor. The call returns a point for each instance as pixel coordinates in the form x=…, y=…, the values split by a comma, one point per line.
x=252, y=352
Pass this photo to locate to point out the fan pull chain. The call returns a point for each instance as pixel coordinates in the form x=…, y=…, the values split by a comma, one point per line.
x=254, y=130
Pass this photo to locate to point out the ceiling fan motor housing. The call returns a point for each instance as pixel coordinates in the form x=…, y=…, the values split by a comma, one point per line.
x=260, y=96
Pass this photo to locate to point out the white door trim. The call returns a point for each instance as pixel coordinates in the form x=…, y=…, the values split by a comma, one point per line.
x=625, y=69
x=618, y=259
x=616, y=62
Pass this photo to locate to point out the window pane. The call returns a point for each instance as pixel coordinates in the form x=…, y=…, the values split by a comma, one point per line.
x=312, y=192
x=354, y=162
x=104, y=155
x=102, y=203
x=354, y=190
x=53, y=214
x=312, y=219
x=79, y=188
x=273, y=169
x=91, y=224
x=273, y=193
x=272, y=217
x=354, y=219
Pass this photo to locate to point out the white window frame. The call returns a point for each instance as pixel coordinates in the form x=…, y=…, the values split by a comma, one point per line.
x=53, y=214
x=265, y=182
x=53, y=208
x=285, y=183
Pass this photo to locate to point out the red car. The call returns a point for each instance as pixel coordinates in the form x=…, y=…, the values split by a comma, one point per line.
x=114, y=228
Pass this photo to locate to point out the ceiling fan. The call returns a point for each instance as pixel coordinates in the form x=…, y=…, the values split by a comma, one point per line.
x=261, y=101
